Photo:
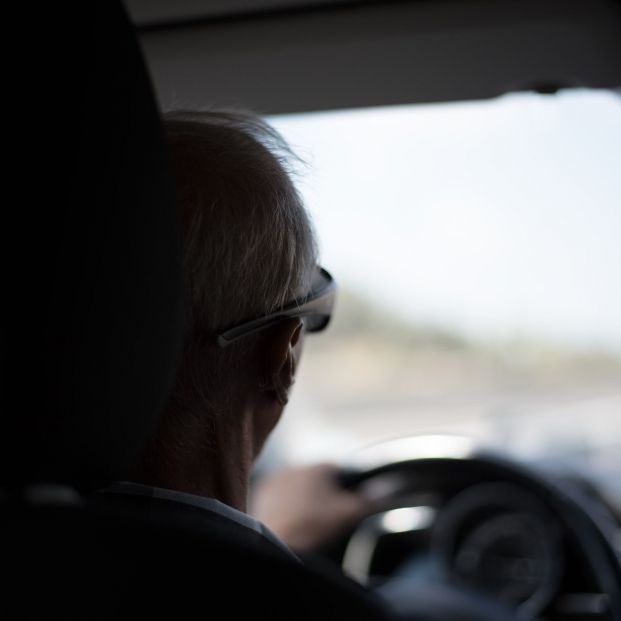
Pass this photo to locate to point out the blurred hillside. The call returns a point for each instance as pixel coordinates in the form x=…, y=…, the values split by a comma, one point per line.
x=371, y=358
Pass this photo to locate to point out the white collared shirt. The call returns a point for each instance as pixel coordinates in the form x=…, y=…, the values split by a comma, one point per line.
x=208, y=504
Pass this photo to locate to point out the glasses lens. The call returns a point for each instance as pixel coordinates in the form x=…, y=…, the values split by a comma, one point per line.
x=315, y=323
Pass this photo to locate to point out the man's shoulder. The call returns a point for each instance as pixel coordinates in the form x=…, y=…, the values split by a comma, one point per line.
x=205, y=552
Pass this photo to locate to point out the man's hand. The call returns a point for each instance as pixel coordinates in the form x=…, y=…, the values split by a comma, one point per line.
x=305, y=506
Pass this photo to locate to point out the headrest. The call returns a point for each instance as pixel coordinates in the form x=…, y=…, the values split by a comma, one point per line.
x=91, y=350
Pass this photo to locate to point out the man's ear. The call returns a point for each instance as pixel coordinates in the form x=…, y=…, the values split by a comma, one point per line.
x=280, y=363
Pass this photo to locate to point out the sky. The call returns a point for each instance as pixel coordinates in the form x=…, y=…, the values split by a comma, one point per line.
x=499, y=219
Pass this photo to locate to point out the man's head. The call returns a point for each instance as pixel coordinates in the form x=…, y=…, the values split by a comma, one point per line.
x=249, y=250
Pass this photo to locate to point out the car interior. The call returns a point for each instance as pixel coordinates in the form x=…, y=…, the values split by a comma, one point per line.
x=471, y=529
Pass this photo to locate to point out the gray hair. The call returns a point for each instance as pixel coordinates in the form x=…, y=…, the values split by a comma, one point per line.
x=250, y=247
x=249, y=244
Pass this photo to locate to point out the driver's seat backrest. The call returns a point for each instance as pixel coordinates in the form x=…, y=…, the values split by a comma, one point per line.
x=103, y=341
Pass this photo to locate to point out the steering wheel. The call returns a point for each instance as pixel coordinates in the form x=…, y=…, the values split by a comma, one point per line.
x=467, y=535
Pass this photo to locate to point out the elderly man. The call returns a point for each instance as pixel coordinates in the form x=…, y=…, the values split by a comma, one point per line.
x=253, y=290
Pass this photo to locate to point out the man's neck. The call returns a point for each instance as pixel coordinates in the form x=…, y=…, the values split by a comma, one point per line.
x=217, y=466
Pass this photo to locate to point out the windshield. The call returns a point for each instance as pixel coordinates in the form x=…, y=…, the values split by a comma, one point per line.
x=477, y=250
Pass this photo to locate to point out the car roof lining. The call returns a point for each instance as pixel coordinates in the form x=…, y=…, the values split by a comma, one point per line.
x=156, y=13
x=301, y=56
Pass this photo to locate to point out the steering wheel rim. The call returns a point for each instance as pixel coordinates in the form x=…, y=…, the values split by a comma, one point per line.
x=424, y=454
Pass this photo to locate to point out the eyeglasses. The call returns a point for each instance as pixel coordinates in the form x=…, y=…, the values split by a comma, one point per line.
x=315, y=310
